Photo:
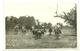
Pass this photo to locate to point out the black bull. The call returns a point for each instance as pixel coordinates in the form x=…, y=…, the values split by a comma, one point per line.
x=37, y=34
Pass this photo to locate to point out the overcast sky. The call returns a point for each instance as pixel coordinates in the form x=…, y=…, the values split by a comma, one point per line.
x=43, y=11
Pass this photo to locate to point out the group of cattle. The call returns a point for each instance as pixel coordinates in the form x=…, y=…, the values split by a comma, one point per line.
x=37, y=33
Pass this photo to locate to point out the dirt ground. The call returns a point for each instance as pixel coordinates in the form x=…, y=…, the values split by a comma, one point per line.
x=68, y=39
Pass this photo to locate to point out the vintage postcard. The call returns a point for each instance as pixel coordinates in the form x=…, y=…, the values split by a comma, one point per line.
x=40, y=25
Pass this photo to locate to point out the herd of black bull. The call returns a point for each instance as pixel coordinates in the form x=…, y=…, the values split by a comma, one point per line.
x=37, y=34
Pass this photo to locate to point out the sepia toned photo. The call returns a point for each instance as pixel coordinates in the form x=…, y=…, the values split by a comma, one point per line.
x=40, y=25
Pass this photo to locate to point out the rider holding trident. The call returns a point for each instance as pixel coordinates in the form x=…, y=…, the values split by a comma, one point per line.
x=57, y=31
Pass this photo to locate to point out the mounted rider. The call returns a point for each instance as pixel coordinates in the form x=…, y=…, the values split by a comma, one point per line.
x=16, y=29
x=23, y=28
x=50, y=30
x=57, y=30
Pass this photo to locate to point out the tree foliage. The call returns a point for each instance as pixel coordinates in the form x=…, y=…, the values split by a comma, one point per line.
x=12, y=21
x=70, y=17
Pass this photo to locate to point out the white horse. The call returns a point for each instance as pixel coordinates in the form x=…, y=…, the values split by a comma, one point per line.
x=57, y=31
x=16, y=29
x=23, y=29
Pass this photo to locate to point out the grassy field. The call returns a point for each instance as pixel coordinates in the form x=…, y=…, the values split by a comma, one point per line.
x=68, y=39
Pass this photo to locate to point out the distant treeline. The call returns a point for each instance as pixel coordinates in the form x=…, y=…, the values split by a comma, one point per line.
x=28, y=21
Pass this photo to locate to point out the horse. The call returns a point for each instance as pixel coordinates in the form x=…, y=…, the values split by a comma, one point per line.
x=37, y=33
x=50, y=30
x=16, y=29
x=57, y=31
x=23, y=29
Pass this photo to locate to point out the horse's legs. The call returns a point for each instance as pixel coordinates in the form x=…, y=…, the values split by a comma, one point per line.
x=16, y=32
x=36, y=36
x=39, y=35
x=57, y=36
x=50, y=33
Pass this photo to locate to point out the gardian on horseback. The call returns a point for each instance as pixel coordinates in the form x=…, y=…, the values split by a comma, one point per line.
x=57, y=31
x=23, y=29
x=50, y=30
x=16, y=29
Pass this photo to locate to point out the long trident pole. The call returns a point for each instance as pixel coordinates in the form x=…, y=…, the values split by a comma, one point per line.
x=56, y=9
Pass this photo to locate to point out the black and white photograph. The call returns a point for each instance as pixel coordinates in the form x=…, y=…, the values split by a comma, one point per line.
x=40, y=25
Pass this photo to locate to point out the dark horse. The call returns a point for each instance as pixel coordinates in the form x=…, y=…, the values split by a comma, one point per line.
x=37, y=33
x=50, y=30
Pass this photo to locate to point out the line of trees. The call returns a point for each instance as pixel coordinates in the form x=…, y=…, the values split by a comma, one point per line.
x=28, y=21
x=70, y=17
x=12, y=21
